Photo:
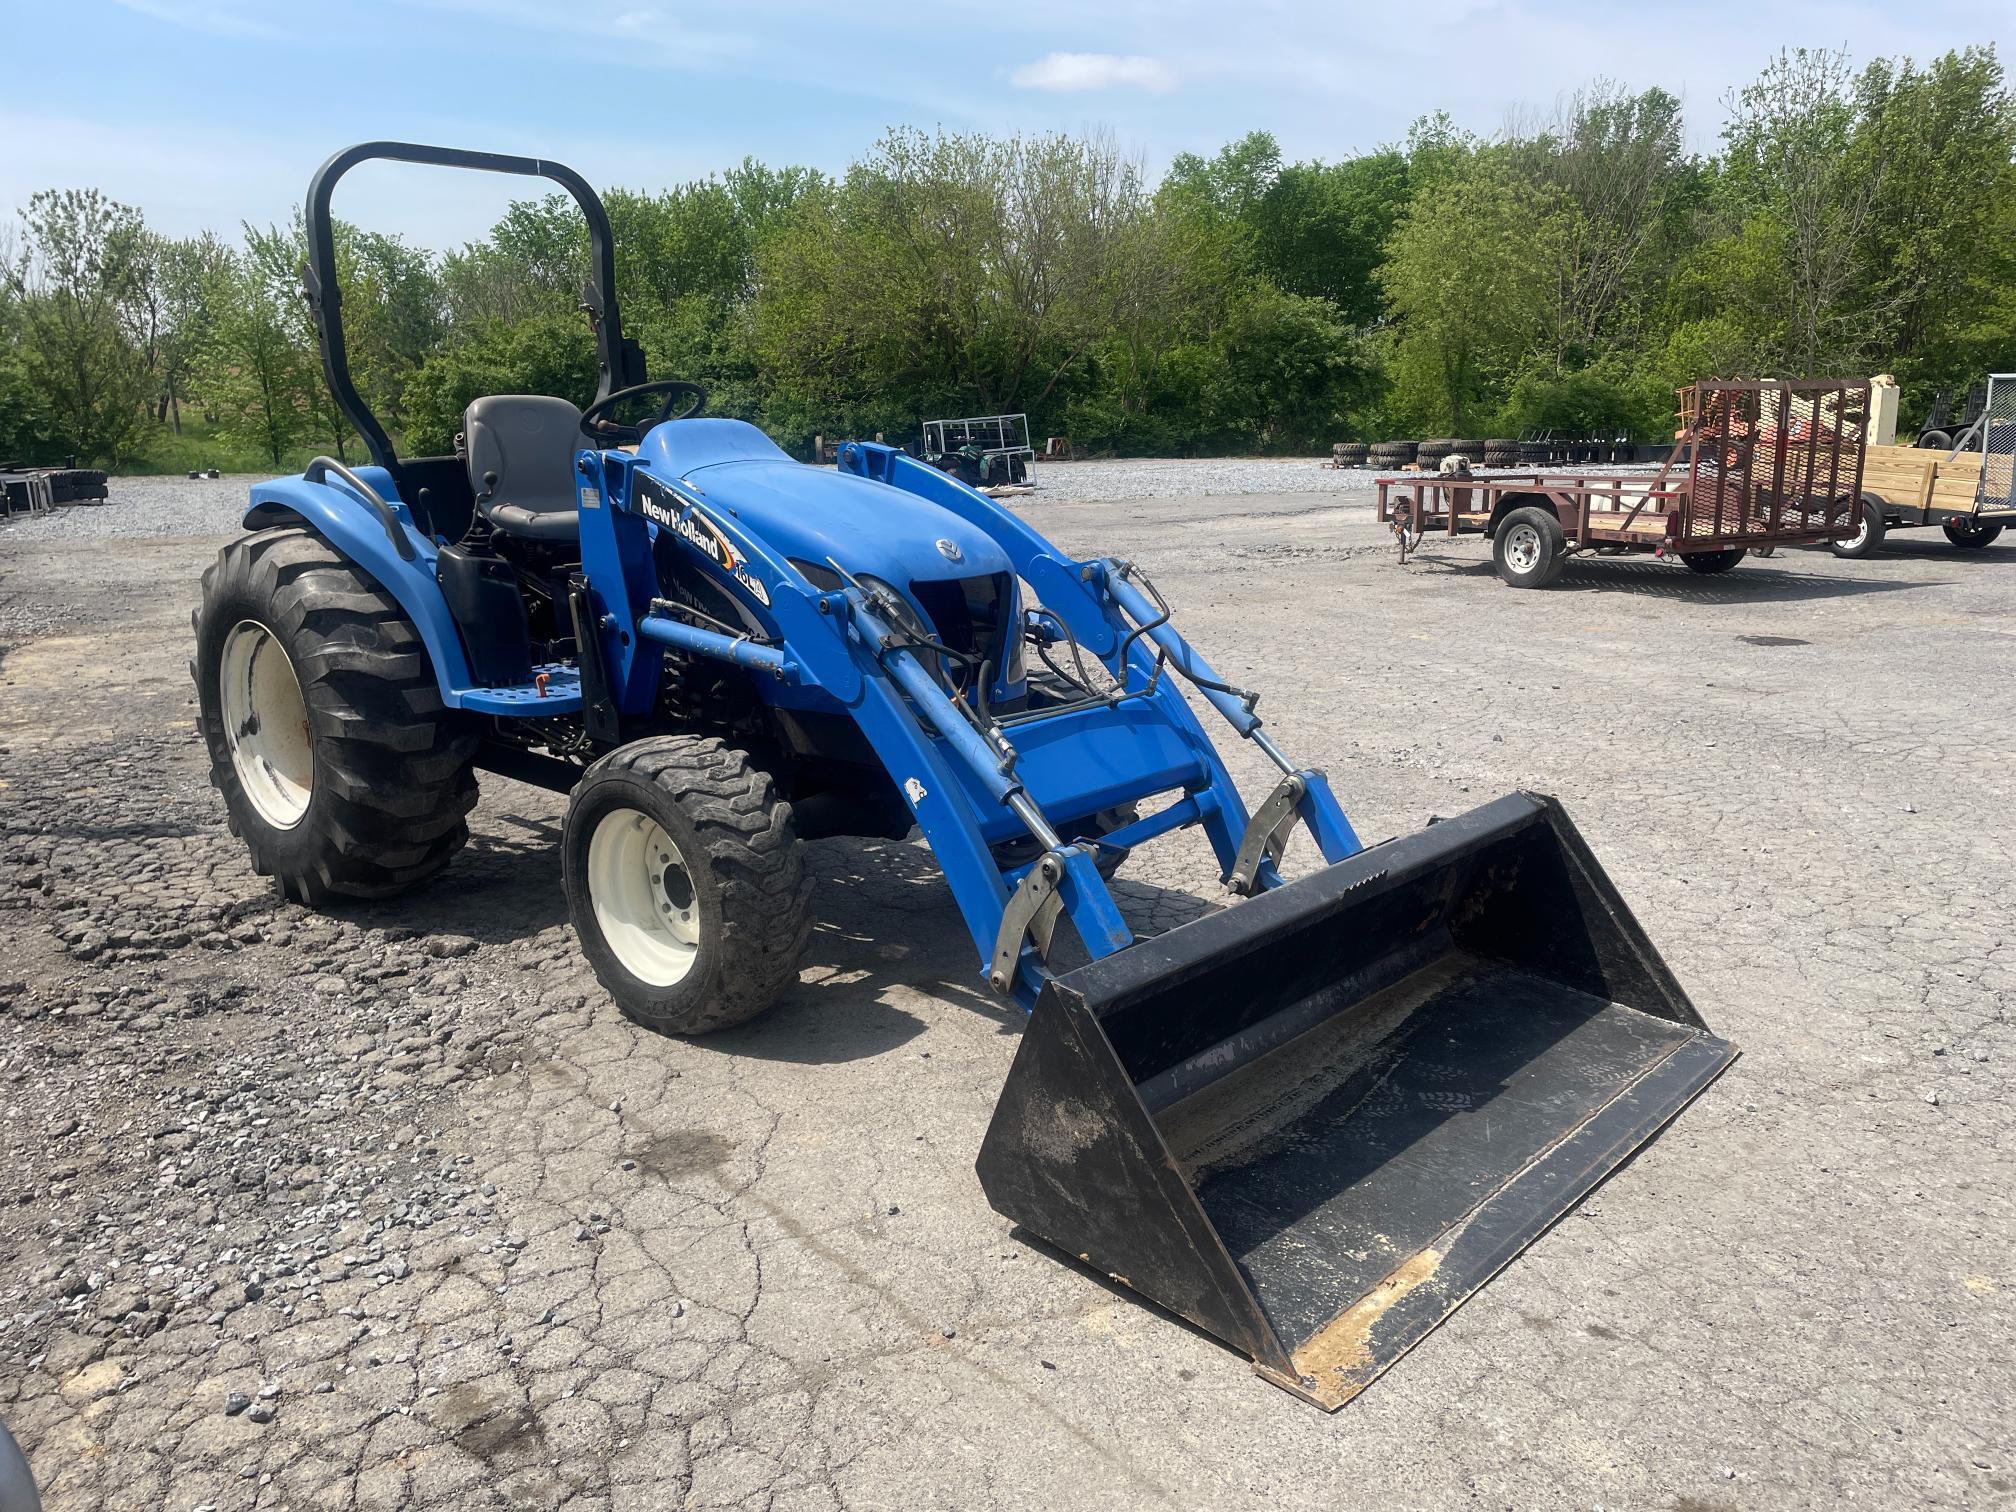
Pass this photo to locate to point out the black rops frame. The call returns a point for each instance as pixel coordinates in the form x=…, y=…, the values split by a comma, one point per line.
x=621, y=362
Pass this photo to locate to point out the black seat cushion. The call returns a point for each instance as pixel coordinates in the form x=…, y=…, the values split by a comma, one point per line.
x=521, y=463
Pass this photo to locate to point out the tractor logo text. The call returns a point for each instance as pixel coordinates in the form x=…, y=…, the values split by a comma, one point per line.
x=704, y=536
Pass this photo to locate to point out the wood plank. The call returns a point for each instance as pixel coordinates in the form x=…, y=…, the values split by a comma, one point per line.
x=1647, y=523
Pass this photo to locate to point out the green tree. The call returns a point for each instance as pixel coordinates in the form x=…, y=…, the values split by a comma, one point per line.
x=1321, y=229
x=1788, y=163
x=1470, y=277
x=81, y=265
x=1938, y=248
x=255, y=376
x=185, y=276
x=963, y=270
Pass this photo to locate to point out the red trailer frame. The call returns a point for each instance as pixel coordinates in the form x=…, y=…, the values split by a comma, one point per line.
x=1758, y=465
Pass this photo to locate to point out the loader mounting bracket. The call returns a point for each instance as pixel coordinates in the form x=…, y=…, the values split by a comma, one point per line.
x=1031, y=915
x=1267, y=835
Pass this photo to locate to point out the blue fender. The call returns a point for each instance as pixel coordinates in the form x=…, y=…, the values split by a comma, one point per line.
x=346, y=522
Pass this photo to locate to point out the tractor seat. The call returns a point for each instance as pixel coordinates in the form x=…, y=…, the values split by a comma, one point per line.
x=521, y=464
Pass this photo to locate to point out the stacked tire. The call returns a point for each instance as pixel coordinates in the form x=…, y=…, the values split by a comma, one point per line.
x=1390, y=456
x=1471, y=451
x=1535, y=453
x=1430, y=453
x=1349, y=454
x=1501, y=453
x=76, y=485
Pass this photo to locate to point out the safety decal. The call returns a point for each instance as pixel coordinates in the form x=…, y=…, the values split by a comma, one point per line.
x=591, y=498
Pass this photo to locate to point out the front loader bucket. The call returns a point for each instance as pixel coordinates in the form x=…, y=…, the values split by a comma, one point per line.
x=1315, y=1122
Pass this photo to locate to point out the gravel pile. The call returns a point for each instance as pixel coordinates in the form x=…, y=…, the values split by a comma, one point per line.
x=138, y=509
x=1184, y=478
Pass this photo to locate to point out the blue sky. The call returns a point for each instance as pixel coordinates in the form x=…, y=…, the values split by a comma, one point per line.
x=208, y=112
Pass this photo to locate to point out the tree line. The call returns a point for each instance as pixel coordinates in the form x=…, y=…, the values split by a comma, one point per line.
x=1565, y=274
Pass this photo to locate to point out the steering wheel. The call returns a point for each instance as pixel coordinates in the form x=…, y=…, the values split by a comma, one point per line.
x=599, y=429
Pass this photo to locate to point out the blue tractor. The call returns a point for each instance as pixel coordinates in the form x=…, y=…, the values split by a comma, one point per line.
x=1312, y=1121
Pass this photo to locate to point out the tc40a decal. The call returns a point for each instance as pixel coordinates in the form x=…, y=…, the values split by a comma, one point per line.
x=657, y=503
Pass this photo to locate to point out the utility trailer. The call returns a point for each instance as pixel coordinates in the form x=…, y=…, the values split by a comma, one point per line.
x=982, y=450
x=1756, y=466
x=1969, y=491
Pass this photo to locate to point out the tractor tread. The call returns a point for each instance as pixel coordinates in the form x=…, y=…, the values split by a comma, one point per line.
x=749, y=844
x=393, y=781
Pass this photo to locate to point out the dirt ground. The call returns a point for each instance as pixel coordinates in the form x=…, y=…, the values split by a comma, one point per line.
x=388, y=1207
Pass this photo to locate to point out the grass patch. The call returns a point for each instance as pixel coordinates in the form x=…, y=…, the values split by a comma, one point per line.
x=200, y=446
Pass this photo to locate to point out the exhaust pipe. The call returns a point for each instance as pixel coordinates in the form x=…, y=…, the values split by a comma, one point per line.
x=1316, y=1122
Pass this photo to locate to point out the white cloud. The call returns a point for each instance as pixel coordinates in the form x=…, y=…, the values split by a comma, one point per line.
x=1061, y=72
x=221, y=20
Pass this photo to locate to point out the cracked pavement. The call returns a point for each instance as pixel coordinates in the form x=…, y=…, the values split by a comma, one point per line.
x=388, y=1207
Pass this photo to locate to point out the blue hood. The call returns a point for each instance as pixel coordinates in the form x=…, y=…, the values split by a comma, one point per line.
x=813, y=512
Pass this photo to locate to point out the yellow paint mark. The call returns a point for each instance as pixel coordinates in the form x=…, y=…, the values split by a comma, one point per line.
x=89, y=1381
x=1981, y=1286
x=1344, y=1344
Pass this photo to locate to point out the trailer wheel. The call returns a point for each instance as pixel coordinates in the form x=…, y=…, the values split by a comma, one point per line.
x=686, y=883
x=1868, y=538
x=1529, y=548
x=1933, y=440
x=1708, y=563
x=1972, y=536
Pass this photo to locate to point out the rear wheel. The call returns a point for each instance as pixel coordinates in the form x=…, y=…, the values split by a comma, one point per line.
x=1972, y=534
x=1711, y=562
x=1528, y=548
x=339, y=766
x=1868, y=537
x=686, y=883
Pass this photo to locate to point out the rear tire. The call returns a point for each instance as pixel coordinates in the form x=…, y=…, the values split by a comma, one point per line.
x=1708, y=563
x=1528, y=548
x=340, y=768
x=686, y=882
x=1868, y=539
x=1933, y=440
x=1972, y=537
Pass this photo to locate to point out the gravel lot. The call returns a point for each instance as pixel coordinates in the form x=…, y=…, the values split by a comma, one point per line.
x=388, y=1207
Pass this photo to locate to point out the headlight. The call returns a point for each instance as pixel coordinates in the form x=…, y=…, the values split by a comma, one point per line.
x=1018, y=642
x=890, y=601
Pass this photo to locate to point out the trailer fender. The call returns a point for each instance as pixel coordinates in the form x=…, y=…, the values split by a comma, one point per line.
x=1511, y=501
x=343, y=519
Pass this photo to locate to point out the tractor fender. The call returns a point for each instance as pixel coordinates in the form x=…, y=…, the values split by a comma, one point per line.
x=343, y=520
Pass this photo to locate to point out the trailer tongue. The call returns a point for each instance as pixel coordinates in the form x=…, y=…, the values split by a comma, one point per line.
x=1315, y=1123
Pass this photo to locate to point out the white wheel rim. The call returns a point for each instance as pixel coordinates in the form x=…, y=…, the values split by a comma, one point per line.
x=642, y=896
x=1861, y=531
x=1522, y=548
x=266, y=724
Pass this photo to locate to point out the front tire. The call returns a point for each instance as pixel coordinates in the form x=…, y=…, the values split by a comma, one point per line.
x=1528, y=548
x=1972, y=536
x=686, y=883
x=1868, y=537
x=340, y=768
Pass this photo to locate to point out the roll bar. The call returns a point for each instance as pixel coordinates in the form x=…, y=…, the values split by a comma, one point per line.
x=621, y=362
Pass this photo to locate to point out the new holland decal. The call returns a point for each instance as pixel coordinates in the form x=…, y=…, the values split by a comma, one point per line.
x=659, y=504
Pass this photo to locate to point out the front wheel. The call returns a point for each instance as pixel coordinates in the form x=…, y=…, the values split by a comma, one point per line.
x=1868, y=538
x=1972, y=535
x=1528, y=548
x=686, y=883
x=1710, y=562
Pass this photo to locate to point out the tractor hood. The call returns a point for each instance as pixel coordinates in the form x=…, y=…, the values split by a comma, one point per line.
x=813, y=513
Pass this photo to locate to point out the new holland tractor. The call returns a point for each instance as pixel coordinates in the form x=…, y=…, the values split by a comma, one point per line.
x=1312, y=1121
